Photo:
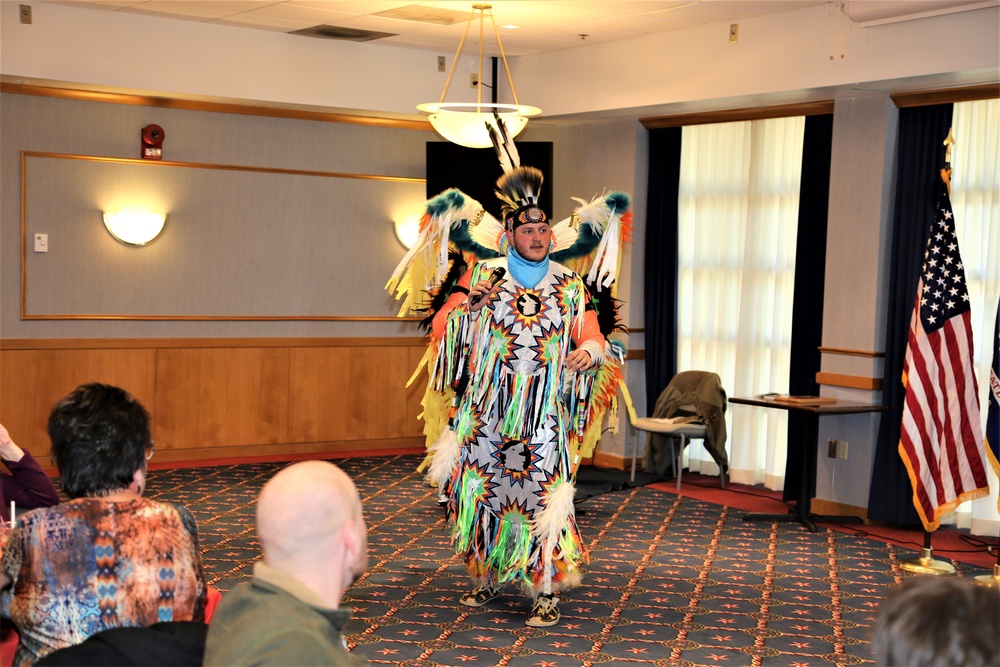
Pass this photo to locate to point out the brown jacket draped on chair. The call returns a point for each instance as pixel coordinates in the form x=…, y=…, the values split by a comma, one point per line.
x=702, y=391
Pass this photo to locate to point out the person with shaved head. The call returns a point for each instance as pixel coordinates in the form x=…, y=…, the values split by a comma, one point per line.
x=314, y=540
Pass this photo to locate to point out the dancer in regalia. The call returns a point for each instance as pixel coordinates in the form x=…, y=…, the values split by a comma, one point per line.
x=519, y=350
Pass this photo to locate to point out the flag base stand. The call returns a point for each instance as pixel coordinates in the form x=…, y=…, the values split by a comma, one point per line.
x=990, y=581
x=927, y=564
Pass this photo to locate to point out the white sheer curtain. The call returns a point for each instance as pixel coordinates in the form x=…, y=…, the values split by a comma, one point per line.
x=975, y=194
x=738, y=215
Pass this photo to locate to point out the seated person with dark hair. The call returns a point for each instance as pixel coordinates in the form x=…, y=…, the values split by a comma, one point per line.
x=107, y=558
x=939, y=621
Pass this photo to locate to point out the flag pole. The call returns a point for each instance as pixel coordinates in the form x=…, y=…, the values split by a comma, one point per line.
x=927, y=564
x=940, y=322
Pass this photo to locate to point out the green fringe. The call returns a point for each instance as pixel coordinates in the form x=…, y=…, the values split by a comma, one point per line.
x=466, y=514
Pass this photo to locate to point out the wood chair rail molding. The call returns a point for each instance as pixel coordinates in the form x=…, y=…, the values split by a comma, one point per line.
x=851, y=353
x=202, y=343
x=849, y=381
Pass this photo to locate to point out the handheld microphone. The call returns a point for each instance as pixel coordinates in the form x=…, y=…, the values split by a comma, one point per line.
x=495, y=277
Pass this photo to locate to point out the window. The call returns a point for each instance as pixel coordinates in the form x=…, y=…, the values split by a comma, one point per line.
x=738, y=215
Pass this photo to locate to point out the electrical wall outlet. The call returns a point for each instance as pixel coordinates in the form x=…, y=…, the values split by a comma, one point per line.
x=842, y=450
x=831, y=448
x=734, y=33
x=474, y=79
x=26, y=14
x=440, y=63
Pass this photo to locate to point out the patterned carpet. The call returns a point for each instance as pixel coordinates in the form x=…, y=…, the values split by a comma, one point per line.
x=671, y=580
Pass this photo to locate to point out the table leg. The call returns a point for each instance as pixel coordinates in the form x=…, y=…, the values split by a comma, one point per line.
x=801, y=513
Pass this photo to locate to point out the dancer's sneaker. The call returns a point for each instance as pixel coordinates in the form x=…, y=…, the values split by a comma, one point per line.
x=544, y=612
x=480, y=595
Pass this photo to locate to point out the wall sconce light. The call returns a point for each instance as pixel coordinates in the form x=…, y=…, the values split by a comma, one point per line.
x=407, y=231
x=134, y=228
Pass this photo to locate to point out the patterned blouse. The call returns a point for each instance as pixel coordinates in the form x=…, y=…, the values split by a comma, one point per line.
x=93, y=564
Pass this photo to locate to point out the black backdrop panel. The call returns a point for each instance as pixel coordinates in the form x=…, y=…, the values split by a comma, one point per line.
x=474, y=171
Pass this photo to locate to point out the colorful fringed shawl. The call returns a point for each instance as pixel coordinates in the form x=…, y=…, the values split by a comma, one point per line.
x=510, y=486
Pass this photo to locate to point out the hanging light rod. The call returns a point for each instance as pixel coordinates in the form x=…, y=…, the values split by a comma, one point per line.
x=465, y=123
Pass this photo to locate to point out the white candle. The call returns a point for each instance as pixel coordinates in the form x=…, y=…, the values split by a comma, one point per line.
x=12, y=514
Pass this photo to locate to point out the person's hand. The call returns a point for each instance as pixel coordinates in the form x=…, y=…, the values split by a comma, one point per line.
x=8, y=450
x=478, y=295
x=579, y=360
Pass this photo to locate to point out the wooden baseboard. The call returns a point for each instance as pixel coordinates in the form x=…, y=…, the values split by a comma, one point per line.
x=831, y=508
x=612, y=461
x=849, y=381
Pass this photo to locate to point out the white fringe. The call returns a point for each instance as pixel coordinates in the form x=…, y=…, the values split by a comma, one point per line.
x=554, y=517
x=444, y=457
x=605, y=266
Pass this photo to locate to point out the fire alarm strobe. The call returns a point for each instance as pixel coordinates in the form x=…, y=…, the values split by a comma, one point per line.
x=152, y=142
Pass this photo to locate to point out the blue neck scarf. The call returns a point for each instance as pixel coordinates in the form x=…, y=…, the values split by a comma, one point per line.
x=527, y=273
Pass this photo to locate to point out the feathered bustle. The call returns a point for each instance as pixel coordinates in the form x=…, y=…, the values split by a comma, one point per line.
x=618, y=201
x=449, y=199
x=424, y=266
x=476, y=238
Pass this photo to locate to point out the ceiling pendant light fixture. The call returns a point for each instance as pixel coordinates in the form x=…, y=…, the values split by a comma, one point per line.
x=466, y=123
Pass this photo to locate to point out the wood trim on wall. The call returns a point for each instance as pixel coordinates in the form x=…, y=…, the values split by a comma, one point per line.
x=286, y=112
x=229, y=398
x=732, y=115
x=951, y=95
x=197, y=343
x=832, y=508
x=849, y=381
x=851, y=353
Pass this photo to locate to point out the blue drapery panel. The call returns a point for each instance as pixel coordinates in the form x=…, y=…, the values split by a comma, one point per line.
x=660, y=272
x=919, y=158
x=807, y=304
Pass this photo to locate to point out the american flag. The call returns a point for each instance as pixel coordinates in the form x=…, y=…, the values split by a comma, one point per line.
x=941, y=439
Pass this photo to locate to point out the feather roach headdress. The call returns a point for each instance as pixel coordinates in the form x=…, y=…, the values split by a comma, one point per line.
x=518, y=191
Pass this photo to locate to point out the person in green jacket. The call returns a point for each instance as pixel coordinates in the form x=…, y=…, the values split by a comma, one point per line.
x=314, y=540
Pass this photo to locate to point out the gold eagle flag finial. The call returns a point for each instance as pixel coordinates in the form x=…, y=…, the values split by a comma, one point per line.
x=949, y=143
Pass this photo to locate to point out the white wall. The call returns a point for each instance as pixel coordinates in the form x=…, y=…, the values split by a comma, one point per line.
x=787, y=56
